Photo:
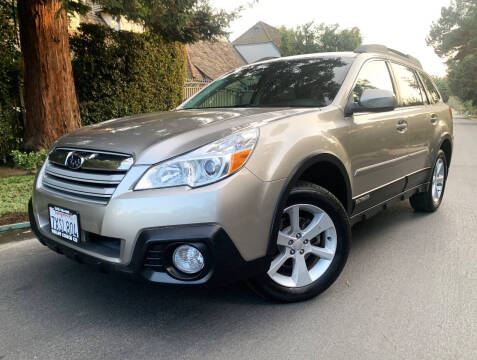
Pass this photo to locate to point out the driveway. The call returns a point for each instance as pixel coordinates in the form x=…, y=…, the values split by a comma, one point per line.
x=409, y=291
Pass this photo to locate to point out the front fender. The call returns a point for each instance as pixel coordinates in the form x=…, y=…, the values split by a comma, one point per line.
x=285, y=144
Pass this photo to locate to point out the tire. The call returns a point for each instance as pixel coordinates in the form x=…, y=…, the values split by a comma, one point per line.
x=429, y=201
x=322, y=256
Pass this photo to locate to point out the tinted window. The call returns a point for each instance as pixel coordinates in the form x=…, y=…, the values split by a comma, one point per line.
x=373, y=75
x=431, y=89
x=408, y=86
x=425, y=94
x=310, y=82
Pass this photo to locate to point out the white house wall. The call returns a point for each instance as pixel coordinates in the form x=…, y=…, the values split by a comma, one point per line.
x=254, y=52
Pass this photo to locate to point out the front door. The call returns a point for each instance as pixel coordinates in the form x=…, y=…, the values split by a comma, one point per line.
x=377, y=143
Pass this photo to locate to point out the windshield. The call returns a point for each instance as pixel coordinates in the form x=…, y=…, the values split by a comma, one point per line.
x=307, y=82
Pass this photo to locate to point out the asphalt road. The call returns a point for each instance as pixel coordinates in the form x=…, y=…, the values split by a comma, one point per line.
x=409, y=291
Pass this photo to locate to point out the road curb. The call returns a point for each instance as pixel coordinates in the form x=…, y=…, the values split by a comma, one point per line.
x=17, y=226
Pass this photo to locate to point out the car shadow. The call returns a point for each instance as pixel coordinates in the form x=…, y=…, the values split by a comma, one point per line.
x=385, y=221
x=74, y=298
x=115, y=292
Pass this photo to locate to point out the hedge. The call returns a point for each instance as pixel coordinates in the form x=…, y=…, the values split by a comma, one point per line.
x=120, y=73
x=10, y=113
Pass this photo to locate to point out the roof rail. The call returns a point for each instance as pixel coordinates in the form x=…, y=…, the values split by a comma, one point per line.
x=376, y=48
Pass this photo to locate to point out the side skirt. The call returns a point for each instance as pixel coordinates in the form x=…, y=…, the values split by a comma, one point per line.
x=366, y=214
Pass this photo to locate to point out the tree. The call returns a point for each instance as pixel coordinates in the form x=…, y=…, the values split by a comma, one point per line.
x=311, y=38
x=186, y=21
x=50, y=98
x=454, y=38
x=443, y=86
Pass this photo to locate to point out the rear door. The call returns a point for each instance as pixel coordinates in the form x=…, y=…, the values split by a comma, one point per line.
x=415, y=110
x=438, y=111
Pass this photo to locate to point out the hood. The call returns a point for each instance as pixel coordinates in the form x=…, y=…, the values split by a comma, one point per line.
x=155, y=137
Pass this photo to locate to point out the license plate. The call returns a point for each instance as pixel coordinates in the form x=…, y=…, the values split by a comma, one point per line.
x=64, y=223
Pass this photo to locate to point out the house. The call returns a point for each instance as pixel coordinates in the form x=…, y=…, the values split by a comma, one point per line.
x=97, y=16
x=260, y=42
x=208, y=60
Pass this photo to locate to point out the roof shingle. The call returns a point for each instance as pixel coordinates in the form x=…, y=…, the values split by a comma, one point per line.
x=213, y=58
x=259, y=33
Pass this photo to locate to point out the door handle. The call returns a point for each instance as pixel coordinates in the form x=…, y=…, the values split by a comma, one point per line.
x=401, y=126
x=434, y=118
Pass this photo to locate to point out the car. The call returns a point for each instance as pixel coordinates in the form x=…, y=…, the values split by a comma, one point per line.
x=258, y=177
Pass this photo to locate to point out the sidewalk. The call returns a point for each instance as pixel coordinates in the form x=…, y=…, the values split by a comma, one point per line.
x=15, y=235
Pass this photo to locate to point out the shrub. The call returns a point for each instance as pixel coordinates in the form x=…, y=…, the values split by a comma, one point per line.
x=120, y=73
x=465, y=107
x=29, y=161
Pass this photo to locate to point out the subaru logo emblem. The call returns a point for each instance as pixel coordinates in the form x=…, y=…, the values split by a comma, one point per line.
x=74, y=161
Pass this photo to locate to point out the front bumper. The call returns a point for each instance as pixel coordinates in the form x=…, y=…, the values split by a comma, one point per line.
x=231, y=217
x=224, y=264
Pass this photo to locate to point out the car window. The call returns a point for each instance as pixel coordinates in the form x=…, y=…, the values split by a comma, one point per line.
x=424, y=92
x=431, y=89
x=307, y=82
x=408, y=85
x=373, y=75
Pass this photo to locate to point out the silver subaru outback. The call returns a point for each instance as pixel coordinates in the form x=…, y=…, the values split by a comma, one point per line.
x=259, y=176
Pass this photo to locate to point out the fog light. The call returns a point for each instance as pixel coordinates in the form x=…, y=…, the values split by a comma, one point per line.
x=188, y=259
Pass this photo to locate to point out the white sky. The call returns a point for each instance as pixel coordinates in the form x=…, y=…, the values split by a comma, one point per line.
x=402, y=25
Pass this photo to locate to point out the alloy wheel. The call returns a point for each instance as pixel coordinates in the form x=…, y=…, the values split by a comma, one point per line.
x=306, y=246
x=438, y=179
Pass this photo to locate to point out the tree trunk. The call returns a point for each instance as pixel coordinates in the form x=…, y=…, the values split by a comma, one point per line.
x=50, y=97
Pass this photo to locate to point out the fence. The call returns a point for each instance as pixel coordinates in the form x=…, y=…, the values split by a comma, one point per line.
x=222, y=98
x=192, y=87
x=228, y=97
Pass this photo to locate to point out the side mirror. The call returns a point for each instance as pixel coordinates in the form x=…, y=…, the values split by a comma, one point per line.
x=373, y=100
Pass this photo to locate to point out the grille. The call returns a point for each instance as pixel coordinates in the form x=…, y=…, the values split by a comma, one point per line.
x=156, y=258
x=94, y=180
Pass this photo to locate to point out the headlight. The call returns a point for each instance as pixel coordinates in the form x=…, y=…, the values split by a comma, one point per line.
x=203, y=166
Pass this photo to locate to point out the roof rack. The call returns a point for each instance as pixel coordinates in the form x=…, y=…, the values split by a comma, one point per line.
x=376, y=48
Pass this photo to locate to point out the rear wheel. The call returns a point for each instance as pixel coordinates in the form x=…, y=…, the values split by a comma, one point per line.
x=430, y=200
x=311, y=246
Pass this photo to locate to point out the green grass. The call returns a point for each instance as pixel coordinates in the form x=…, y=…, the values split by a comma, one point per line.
x=15, y=191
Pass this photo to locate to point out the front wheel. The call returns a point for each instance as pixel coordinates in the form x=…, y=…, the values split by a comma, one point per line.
x=311, y=247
